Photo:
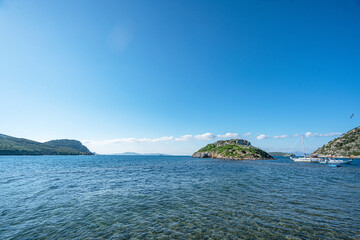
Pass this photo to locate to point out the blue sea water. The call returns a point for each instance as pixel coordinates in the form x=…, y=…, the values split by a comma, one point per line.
x=168, y=197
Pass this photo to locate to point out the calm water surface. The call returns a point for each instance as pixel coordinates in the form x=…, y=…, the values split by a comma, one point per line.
x=132, y=197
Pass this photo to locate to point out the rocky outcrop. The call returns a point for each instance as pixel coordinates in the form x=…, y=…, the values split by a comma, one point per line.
x=345, y=146
x=201, y=155
x=236, y=149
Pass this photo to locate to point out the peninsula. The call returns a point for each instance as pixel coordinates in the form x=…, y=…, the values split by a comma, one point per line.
x=236, y=149
x=21, y=146
x=345, y=146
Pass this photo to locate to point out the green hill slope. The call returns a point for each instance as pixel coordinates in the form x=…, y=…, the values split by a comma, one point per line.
x=347, y=145
x=73, y=144
x=236, y=149
x=21, y=146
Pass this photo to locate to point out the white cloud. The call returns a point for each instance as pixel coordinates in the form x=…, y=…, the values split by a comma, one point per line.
x=163, y=139
x=129, y=140
x=281, y=136
x=188, y=137
x=205, y=136
x=185, y=138
x=310, y=134
x=262, y=136
x=286, y=136
x=202, y=137
x=330, y=134
x=228, y=135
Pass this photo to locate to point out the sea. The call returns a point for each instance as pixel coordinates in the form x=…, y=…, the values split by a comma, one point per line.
x=176, y=197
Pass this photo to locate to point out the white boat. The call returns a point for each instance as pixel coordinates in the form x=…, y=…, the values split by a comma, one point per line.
x=305, y=158
x=335, y=161
x=300, y=159
x=323, y=160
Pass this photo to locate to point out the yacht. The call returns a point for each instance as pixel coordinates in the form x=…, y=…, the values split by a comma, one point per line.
x=305, y=158
x=334, y=161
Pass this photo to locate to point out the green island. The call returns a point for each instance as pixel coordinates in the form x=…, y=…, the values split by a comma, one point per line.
x=236, y=149
x=21, y=146
x=345, y=146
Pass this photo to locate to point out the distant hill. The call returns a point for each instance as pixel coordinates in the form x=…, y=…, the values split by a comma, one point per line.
x=281, y=154
x=347, y=145
x=21, y=146
x=127, y=153
x=236, y=149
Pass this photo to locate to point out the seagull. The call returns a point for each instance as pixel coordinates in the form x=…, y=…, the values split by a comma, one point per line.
x=351, y=116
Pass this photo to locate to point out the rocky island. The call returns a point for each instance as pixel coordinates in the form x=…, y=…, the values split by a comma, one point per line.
x=345, y=146
x=236, y=149
x=21, y=146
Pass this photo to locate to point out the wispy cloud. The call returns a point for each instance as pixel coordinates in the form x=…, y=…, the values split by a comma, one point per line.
x=286, y=136
x=262, y=136
x=281, y=136
x=228, y=135
x=184, y=138
x=310, y=134
x=130, y=140
x=202, y=137
x=205, y=136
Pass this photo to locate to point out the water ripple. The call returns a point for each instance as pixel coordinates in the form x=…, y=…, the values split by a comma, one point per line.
x=119, y=197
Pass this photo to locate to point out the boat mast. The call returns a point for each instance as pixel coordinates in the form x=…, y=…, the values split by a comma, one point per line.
x=302, y=139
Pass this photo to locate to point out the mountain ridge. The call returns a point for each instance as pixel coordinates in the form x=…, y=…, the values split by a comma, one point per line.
x=21, y=146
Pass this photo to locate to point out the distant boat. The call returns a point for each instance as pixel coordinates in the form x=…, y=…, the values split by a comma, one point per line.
x=305, y=158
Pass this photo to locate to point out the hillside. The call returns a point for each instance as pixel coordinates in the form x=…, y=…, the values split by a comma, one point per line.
x=73, y=144
x=236, y=149
x=347, y=145
x=21, y=146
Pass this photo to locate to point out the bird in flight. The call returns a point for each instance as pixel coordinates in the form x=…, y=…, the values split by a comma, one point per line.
x=351, y=116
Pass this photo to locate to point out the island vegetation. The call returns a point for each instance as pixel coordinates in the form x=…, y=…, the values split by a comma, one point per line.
x=21, y=146
x=236, y=149
x=345, y=146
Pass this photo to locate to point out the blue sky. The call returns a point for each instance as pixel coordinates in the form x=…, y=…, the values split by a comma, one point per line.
x=140, y=75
